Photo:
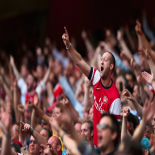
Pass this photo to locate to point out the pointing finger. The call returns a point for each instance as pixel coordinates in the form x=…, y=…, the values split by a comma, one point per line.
x=65, y=30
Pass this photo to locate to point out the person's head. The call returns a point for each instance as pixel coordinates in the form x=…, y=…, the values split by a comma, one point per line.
x=15, y=132
x=130, y=78
x=129, y=147
x=108, y=132
x=153, y=123
x=24, y=71
x=55, y=142
x=77, y=128
x=135, y=91
x=34, y=148
x=40, y=72
x=90, y=116
x=45, y=132
x=31, y=82
x=131, y=123
x=107, y=65
x=69, y=69
x=87, y=129
x=45, y=125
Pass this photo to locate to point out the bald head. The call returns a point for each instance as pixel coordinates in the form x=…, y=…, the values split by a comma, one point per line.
x=55, y=142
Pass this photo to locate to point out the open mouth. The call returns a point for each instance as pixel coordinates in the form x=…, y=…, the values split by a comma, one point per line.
x=102, y=69
x=99, y=138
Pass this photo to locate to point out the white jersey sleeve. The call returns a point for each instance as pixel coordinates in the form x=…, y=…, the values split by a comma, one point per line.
x=115, y=108
x=94, y=75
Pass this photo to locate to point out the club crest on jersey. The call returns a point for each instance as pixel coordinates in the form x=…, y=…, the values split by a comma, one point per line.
x=105, y=99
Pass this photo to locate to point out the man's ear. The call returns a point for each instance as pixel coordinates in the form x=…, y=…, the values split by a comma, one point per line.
x=92, y=133
x=59, y=148
x=114, y=135
x=111, y=67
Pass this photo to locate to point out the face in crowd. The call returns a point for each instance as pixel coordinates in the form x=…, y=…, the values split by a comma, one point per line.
x=15, y=132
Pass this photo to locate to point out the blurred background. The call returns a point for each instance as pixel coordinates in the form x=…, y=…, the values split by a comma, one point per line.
x=26, y=23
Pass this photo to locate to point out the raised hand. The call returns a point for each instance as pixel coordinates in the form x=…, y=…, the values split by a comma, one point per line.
x=65, y=37
x=84, y=35
x=125, y=112
x=127, y=95
x=119, y=35
x=11, y=60
x=144, y=53
x=148, y=111
x=133, y=64
x=55, y=125
x=21, y=108
x=36, y=99
x=26, y=128
x=6, y=120
x=138, y=28
x=140, y=80
x=148, y=77
x=65, y=100
x=30, y=103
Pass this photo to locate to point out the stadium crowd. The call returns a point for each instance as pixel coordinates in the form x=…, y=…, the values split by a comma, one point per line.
x=103, y=104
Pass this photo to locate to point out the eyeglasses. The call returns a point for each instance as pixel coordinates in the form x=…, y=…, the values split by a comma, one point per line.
x=14, y=129
x=104, y=126
x=34, y=142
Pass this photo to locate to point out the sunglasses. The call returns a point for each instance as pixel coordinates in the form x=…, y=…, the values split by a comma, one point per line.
x=44, y=123
x=34, y=142
x=103, y=126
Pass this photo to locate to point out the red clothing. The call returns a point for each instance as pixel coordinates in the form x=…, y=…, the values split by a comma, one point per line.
x=106, y=99
x=29, y=96
x=57, y=91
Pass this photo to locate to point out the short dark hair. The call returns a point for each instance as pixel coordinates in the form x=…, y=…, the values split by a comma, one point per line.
x=90, y=124
x=115, y=125
x=48, y=132
x=112, y=60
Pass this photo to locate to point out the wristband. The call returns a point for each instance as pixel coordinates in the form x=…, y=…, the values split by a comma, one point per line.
x=70, y=45
x=31, y=130
x=63, y=136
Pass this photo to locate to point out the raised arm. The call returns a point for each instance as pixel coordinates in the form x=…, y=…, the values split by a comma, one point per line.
x=37, y=136
x=137, y=106
x=123, y=44
x=39, y=112
x=148, y=112
x=76, y=57
x=73, y=113
x=15, y=71
x=125, y=112
x=89, y=46
x=143, y=42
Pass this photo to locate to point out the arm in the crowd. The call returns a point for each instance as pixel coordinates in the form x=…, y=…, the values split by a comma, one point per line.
x=137, y=106
x=40, y=113
x=34, y=121
x=44, y=80
x=143, y=42
x=150, y=79
x=76, y=57
x=7, y=90
x=86, y=100
x=6, y=125
x=148, y=92
x=70, y=95
x=16, y=101
x=123, y=44
x=124, y=114
x=67, y=141
x=22, y=118
x=148, y=112
x=89, y=46
x=73, y=113
x=38, y=137
x=147, y=30
x=126, y=30
x=15, y=71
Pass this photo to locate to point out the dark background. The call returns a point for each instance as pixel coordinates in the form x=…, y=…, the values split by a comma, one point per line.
x=30, y=21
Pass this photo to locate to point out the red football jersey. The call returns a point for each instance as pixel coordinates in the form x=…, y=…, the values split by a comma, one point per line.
x=106, y=99
x=29, y=96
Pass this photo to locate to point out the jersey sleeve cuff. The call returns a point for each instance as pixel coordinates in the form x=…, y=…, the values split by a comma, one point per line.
x=90, y=74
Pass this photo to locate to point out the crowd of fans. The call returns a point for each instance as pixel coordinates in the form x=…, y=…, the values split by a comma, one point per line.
x=69, y=105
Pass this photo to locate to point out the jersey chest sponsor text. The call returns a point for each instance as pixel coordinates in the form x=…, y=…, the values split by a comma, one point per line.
x=101, y=103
